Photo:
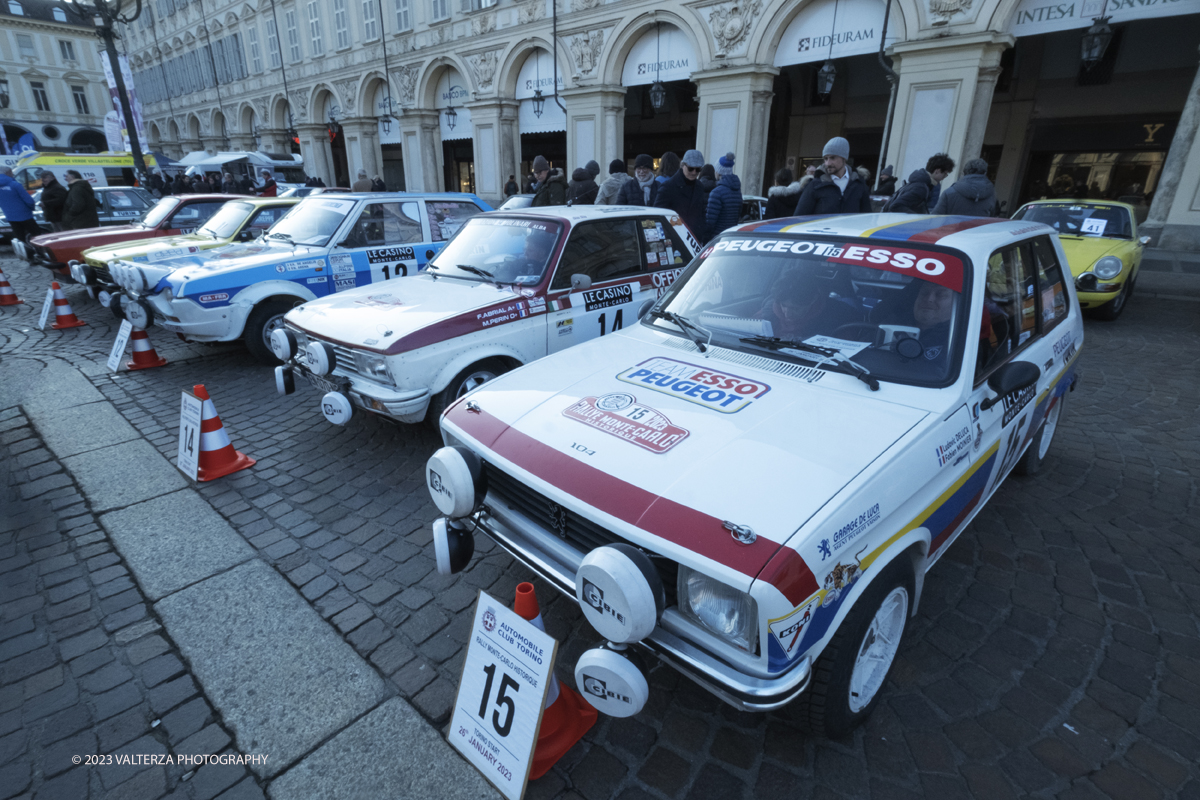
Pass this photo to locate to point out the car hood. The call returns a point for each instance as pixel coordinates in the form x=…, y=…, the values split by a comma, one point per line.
x=404, y=313
x=137, y=251
x=668, y=477
x=91, y=237
x=1084, y=251
x=233, y=257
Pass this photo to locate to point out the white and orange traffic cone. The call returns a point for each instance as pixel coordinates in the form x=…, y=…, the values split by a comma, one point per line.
x=144, y=354
x=567, y=717
x=217, y=456
x=64, y=317
x=7, y=296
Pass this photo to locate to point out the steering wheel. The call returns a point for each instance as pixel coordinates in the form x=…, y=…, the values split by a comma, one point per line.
x=871, y=327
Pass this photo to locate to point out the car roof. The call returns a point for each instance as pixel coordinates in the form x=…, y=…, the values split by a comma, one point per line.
x=581, y=213
x=950, y=231
x=407, y=195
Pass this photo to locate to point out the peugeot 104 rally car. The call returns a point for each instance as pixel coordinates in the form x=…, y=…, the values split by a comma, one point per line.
x=508, y=289
x=324, y=245
x=1102, y=245
x=170, y=216
x=752, y=481
x=239, y=220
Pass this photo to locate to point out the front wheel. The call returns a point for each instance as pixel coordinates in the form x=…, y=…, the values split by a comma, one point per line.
x=849, y=674
x=265, y=319
x=1035, y=454
x=471, y=377
x=1113, y=308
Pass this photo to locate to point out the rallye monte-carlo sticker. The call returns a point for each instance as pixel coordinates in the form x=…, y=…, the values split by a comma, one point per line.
x=719, y=391
x=620, y=415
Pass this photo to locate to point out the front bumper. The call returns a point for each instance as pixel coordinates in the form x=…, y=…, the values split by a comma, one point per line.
x=388, y=401
x=557, y=562
x=44, y=258
x=195, y=322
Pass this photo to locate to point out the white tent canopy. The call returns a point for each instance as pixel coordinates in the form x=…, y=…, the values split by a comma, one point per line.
x=538, y=73
x=663, y=53
x=452, y=93
x=815, y=35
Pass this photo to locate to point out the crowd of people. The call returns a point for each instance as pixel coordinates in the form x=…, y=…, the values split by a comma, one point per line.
x=708, y=197
x=69, y=208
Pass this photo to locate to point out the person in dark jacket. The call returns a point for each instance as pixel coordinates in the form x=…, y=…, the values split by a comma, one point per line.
x=17, y=206
x=972, y=195
x=887, y=181
x=377, y=184
x=551, y=184
x=610, y=190
x=835, y=188
x=643, y=189
x=268, y=188
x=80, y=211
x=782, y=197
x=154, y=184
x=54, y=198
x=917, y=196
x=593, y=169
x=668, y=166
x=684, y=195
x=708, y=178
x=724, y=201
x=245, y=185
x=583, y=188
x=511, y=187
x=229, y=185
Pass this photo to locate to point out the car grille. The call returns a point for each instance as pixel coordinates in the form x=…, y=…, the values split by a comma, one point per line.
x=102, y=273
x=345, y=356
x=575, y=529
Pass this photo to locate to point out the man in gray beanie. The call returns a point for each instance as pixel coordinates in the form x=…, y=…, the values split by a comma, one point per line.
x=835, y=189
x=551, y=186
x=684, y=195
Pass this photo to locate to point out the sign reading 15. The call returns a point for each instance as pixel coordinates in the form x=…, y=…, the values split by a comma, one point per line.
x=502, y=700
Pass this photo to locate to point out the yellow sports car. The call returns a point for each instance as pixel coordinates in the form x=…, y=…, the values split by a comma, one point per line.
x=238, y=220
x=1102, y=245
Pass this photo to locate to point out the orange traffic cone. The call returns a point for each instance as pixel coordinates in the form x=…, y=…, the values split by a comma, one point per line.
x=567, y=716
x=144, y=354
x=217, y=456
x=7, y=296
x=64, y=317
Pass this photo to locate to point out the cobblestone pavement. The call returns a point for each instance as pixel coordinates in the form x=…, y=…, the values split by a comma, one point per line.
x=1056, y=652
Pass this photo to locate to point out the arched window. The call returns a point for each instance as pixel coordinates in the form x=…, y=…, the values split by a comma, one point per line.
x=60, y=15
x=15, y=8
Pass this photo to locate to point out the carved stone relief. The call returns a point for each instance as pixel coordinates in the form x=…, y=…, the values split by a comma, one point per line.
x=483, y=68
x=406, y=80
x=483, y=23
x=943, y=10
x=586, y=5
x=347, y=90
x=731, y=23
x=300, y=106
x=531, y=11
x=585, y=49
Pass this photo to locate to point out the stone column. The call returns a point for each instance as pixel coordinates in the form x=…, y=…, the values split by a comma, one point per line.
x=496, y=149
x=1173, y=221
x=314, y=147
x=189, y=145
x=943, y=101
x=212, y=144
x=274, y=140
x=362, y=146
x=595, y=125
x=734, y=107
x=421, y=138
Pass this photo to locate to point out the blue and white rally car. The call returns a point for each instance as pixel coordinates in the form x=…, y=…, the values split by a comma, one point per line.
x=752, y=481
x=326, y=244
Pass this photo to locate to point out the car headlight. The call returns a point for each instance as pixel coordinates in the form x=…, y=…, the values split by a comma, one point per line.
x=1108, y=268
x=728, y=612
x=370, y=365
x=167, y=294
x=148, y=277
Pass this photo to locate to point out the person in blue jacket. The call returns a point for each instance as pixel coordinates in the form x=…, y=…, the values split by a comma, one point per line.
x=17, y=205
x=725, y=200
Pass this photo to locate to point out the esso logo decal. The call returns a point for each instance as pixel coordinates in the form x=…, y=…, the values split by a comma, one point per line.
x=939, y=268
x=719, y=391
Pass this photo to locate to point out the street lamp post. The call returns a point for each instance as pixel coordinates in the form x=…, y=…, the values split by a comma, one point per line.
x=1095, y=42
x=104, y=14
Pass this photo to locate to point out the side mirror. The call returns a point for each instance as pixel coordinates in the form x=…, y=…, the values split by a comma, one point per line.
x=246, y=235
x=580, y=283
x=1013, y=377
x=1143, y=240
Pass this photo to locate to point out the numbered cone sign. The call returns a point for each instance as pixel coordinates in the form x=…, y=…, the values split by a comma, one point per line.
x=217, y=456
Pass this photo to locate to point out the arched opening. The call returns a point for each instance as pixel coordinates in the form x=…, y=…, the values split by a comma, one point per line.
x=458, y=147
x=661, y=112
x=220, y=130
x=18, y=138
x=86, y=140
x=332, y=115
x=807, y=111
x=193, y=124
x=541, y=120
x=390, y=146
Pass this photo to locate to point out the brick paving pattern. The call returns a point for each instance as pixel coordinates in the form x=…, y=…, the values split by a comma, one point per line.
x=1055, y=654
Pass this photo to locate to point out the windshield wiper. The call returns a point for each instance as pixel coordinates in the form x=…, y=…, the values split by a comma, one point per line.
x=688, y=327
x=823, y=356
x=287, y=237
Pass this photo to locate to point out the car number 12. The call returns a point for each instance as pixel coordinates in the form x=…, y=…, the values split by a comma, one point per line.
x=398, y=271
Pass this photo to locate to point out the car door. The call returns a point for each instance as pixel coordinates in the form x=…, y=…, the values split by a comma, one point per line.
x=381, y=241
x=1025, y=301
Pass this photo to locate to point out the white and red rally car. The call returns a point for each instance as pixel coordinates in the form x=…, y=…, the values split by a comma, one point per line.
x=507, y=289
x=752, y=481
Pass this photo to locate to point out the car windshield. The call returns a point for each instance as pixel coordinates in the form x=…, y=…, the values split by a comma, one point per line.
x=880, y=311
x=1080, y=219
x=160, y=211
x=502, y=249
x=311, y=221
x=225, y=223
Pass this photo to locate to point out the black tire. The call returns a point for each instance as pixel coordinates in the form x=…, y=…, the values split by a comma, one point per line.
x=463, y=382
x=1039, y=447
x=1113, y=309
x=825, y=707
x=265, y=317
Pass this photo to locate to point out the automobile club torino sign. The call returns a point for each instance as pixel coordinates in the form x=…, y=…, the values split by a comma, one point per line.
x=620, y=415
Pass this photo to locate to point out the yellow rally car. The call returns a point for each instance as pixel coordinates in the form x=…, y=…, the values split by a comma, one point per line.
x=1102, y=246
x=239, y=220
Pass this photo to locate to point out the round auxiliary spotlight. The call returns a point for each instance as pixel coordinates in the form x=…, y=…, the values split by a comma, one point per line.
x=285, y=380
x=612, y=681
x=321, y=357
x=454, y=476
x=337, y=408
x=620, y=592
x=453, y=545
x=283, y=343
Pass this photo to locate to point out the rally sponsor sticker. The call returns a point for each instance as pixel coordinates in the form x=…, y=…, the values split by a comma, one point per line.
x=619, y=414
x=713, y=389
x=537, y=305
x=390, y=254
x=171, y=252
x=308, y=263
x=318, y=279
x=1013, y=403
x=609, y=296
x=385, y=300
x=341, y=262
x=789, y=630
x=940, y=268
x=213, y=298
x=341, y=284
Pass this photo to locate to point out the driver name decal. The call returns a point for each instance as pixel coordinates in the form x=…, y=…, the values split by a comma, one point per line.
x=595, y=299
x=390, y=254
x=719, y=391
x=310, y=263
x=501, y=314
x=620, y=415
